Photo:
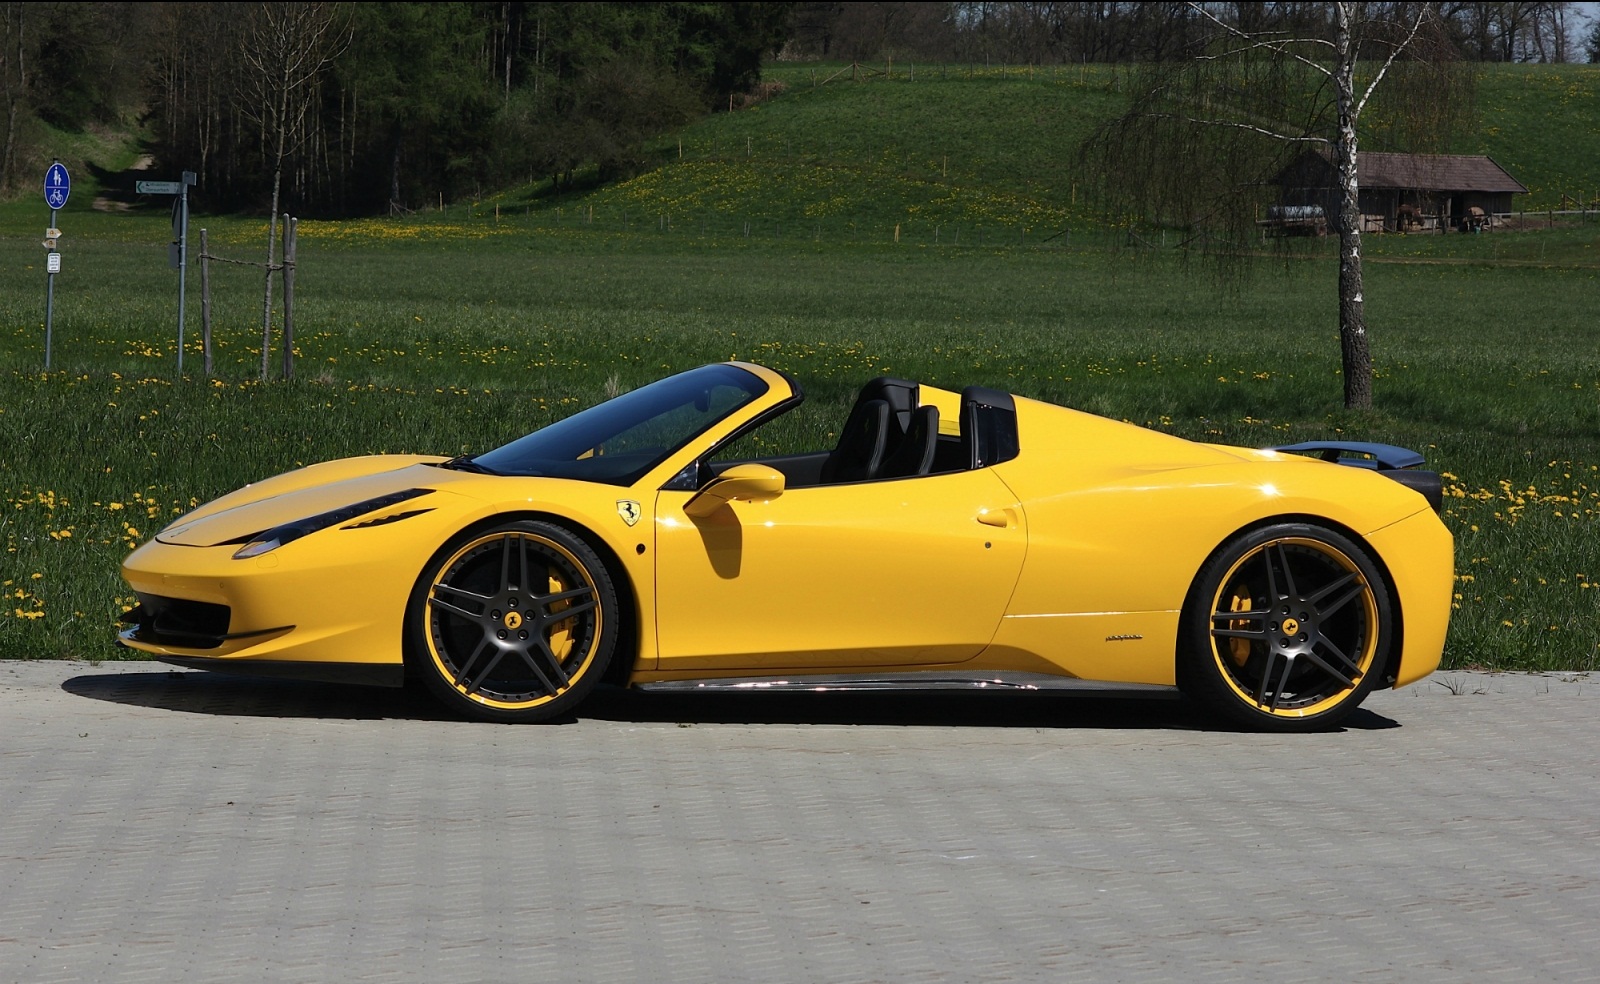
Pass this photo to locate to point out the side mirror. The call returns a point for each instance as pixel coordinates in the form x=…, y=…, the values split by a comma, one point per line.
x=741, y=482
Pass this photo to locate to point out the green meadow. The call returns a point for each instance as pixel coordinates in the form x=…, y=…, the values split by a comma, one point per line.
x=456, y=330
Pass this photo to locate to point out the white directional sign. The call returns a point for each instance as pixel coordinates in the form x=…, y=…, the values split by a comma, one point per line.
x=57, y=185
x=159, y=187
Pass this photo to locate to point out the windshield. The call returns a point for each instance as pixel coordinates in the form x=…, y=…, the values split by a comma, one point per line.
x=618, y=441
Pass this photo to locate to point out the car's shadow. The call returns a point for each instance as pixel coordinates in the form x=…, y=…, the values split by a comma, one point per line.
x=238, y=696
x=228, y=695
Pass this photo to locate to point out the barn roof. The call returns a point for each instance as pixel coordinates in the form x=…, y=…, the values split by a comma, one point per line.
x=1407, y=172
x=1434, y=172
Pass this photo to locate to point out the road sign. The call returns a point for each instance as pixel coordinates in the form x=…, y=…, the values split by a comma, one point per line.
x=57, y=185
x=52, y=233
x=159, y=187
x=52, y=263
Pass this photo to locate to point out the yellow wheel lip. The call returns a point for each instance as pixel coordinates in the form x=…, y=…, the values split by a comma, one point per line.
x=1369, y=603
x=572, y=678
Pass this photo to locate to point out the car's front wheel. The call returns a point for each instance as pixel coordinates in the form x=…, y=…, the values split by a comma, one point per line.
x=515, y=623
x=1288, y=628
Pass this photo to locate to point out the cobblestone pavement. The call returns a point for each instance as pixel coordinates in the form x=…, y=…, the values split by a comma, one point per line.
x=165, y=825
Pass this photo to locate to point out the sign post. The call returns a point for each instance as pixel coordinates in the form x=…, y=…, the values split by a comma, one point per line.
x=178, y=252
x=57, y=186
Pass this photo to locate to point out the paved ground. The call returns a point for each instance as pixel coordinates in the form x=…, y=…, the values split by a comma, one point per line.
x=165, y=826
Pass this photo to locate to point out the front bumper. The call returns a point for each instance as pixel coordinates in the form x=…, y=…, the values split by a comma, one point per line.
x=337, y=600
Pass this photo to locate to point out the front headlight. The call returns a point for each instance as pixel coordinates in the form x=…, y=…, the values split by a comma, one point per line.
x=269, y=540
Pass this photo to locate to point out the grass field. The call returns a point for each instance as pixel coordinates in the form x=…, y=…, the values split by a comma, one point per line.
x=926, y=228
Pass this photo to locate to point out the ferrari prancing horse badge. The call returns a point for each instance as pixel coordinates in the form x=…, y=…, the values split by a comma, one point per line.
x=628, y=510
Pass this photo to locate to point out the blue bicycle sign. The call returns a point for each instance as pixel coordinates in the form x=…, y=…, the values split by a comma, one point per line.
x=57, y=185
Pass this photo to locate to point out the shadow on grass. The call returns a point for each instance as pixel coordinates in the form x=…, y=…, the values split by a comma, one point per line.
x=225, y=695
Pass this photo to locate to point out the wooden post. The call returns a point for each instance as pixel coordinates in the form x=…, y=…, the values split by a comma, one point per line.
x=897, y=232
x=205, y=302
x=289, y=238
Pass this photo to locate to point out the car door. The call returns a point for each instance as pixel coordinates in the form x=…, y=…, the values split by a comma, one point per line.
x=887, y=573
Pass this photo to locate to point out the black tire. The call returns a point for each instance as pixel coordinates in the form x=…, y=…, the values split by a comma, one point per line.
x=1287, y=628
x=516, y=623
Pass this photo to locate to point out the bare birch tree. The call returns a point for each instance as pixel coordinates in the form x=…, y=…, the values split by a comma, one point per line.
x=1206, y=135
x=286, y=48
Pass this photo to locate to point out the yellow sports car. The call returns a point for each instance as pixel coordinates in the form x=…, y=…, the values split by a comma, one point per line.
x=971, y=539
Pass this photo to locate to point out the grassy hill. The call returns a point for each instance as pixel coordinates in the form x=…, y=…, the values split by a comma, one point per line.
x=967, y=146
x=1542, y=123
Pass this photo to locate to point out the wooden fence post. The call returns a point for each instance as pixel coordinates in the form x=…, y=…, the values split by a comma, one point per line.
x=205, y=301
x=289, y=242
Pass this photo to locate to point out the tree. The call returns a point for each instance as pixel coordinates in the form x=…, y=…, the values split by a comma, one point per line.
x=287, y=46
x=1205, y=136
x=1593, y=44
x=17, y=53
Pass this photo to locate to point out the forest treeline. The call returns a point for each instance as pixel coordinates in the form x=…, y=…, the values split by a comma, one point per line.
x=361, y=108
x=366, y=108
x=1070, y=33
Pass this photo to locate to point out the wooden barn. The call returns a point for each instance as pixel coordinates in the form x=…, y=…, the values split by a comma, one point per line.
x=1403, y=192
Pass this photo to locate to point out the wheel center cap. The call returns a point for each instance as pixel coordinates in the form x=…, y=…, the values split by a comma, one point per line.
x=513, y=620
x=1290, y=626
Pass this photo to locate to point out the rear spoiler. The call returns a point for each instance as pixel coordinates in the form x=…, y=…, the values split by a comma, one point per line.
x=1387, y=460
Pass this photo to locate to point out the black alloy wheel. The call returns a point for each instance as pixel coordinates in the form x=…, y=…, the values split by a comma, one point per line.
x=515, y=623
x=1288, y=628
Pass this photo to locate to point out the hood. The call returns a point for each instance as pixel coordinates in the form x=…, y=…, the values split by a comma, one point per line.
x=242, y=514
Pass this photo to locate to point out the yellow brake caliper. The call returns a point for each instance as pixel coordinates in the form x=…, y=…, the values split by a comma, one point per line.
x=1238, y=648
x=560, y=632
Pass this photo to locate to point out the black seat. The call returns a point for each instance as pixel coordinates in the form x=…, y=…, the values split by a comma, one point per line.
x=862, y=442
x=914, y=455
x=988, y=427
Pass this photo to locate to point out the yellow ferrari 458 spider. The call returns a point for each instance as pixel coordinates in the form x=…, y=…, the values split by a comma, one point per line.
x=949, y=540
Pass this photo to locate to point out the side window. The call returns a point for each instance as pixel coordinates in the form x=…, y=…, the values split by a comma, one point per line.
x=800, y=430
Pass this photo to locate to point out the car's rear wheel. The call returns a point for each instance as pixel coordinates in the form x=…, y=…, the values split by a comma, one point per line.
x=515, y=623
x=1288, y=628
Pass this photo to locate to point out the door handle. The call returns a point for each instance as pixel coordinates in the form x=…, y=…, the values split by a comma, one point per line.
x=1002, y=518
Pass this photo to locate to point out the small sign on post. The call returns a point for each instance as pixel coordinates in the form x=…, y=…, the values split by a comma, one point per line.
x=178, y=249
